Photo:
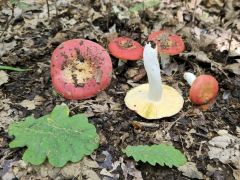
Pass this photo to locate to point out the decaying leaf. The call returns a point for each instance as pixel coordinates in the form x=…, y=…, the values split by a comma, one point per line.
x=30, y=105
x=190, y=170
x=130, y=169
x=7, y=114
x=3, y=77
x=234, y=68
x=6, y=47
x=226, y=148
x=236, y=174
x=81, y=170
x=200, y=56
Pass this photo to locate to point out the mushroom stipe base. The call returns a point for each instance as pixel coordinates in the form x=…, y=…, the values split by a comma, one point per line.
x=171, y=102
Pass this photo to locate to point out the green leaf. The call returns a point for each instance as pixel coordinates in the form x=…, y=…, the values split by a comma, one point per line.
x=12, y=68
x=56, y=136
x=19, y=4
x=161, y=154
x=144, y=5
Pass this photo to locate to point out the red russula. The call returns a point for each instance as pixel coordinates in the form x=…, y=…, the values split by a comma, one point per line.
x=125, y=48
x=80, y=69
x=167, y=42
x=203, y=89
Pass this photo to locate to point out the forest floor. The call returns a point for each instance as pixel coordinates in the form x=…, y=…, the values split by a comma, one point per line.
x=210, y=30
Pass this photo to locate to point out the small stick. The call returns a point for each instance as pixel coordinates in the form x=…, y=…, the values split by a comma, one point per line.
x=174, y=122
x=193, y=19
x=229, y=46
x=55, y=3
x=48, y=11
x=9, y=20
x=144, y=124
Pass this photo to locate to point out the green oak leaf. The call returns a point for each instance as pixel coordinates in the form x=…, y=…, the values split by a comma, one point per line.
x=161, y=154
x=56, y=136
x=144, y=5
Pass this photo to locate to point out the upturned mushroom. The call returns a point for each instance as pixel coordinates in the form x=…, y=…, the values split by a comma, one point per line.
x=204, y=88
x=168, y=44
x=80, y=69
x=153, y=100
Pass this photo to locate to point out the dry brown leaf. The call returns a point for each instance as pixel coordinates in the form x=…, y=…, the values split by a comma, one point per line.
x=3, y=77
x=31, y=104
x=236, y=174
x=6, y=47
x=7, y=114
x=190, y=170
x=234, y=68
x=226, y=148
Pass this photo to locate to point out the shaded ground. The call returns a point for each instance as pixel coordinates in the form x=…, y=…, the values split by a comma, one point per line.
x=32, y=37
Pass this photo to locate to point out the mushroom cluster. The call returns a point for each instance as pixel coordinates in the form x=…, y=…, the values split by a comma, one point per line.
x=81, y=68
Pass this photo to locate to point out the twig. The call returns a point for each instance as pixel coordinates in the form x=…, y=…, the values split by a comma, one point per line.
x=229, y=46
x=174, y=122
x=9, y=20
x=56, y=7
x=193, y=19
x=144, y=124
x=48, y=11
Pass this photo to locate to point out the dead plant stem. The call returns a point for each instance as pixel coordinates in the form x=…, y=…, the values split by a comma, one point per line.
x=9, y=20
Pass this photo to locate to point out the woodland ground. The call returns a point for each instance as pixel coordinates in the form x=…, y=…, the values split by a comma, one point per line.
x=210, y=29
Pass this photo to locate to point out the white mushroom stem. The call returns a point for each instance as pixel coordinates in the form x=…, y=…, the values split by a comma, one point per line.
x=151, y=64
x=189, y=77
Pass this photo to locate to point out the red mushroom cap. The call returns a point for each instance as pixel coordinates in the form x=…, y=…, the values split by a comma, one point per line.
x=203, y=90
x=80, y=69
x=125, y=48
x=167, y=43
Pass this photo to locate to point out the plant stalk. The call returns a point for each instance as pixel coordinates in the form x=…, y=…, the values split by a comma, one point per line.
x=189, y=77
x=151, y=64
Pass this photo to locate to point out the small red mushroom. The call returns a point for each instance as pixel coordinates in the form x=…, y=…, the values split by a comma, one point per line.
x=80, y=69
x=125, y=48
x=168, y=44
x=204, y=88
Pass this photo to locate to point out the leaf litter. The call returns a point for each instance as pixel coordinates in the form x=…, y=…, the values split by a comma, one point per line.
x=31, y=36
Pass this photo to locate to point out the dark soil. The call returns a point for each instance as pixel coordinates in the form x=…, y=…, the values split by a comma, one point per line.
x=117, y=126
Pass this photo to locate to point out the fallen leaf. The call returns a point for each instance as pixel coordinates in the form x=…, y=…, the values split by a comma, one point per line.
x=130, y=169
x=6, y=47
x=190, y=170
x=8, y=176
x=7, y=114
x=200, y=56
x=28, y=104
x=234, y=68
x=226, y=148
x=3, y=77
x=31, y=104
x=236, y=174
x=238, y=131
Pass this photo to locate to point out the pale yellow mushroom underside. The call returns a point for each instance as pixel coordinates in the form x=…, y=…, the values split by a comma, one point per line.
x=170, y=104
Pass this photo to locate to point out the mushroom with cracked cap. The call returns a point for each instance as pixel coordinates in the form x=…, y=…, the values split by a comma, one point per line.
x=168, y=44
x=80, y=69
